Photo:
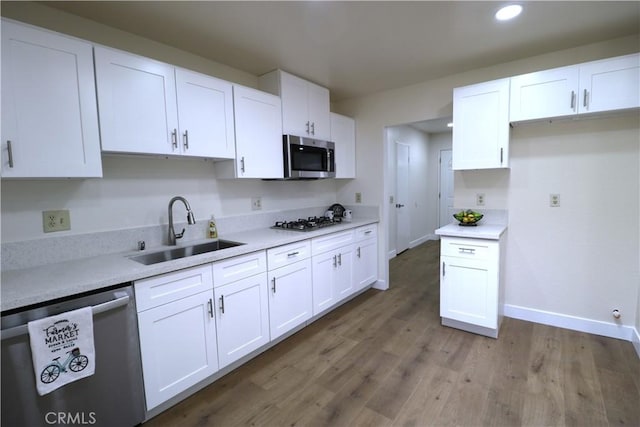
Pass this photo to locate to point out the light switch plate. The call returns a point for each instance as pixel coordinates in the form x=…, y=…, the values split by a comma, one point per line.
x=56, y=221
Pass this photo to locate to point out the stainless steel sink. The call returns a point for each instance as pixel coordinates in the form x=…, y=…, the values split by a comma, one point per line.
x=184, y=251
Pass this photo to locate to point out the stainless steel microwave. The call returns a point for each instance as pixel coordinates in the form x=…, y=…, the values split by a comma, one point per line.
x=307, y=158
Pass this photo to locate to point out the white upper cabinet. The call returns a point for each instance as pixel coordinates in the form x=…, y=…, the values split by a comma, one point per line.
x=343, y=134
x=49, y=114
x=149, y=107
x=205, y=115
x=305, y=105
x=258, y=124
x=137, y=103
x=481, y=126
x=592, y=87
x=551, y=93
x=610, y=84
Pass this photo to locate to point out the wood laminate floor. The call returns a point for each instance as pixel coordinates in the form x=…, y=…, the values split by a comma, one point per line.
x=383, y=359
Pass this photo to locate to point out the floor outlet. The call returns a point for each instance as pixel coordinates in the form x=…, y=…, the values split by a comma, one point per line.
x=256, y=203
x=55, y=221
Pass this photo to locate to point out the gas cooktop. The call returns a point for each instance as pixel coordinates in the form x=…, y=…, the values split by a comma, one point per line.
x=309, y=224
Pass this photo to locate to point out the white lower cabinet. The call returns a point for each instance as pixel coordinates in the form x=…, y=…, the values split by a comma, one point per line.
x=332, y=265
x=241, y=308
x=470, y=284
x=365, y=261
x=177, y=334
x=290, y=297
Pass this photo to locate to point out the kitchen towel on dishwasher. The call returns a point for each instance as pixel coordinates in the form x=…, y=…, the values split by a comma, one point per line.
x=62, y=349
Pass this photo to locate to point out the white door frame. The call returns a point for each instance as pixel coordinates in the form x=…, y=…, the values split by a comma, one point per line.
x=403, y=215
x=444, y=211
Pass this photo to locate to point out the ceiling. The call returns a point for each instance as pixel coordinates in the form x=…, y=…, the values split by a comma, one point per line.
x=355, y=47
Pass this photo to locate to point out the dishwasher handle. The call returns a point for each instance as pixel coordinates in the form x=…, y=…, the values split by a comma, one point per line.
x=96, y=309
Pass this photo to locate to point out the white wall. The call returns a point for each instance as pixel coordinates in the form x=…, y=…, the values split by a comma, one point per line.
x=418, y=205
x=135, y=192
x=437, y=142
x=432, y=99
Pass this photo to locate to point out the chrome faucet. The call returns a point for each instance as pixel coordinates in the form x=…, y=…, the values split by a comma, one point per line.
x=190, y=219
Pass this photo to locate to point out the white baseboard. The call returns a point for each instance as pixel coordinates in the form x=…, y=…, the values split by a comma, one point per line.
x=422, y=239
x=635, y=339
x=381, y=285
x=596, y=327
x=392, y=254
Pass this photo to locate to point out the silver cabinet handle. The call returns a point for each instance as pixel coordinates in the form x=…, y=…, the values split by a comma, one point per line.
x=313, y=128
x=292, y=254
x=585, y=100
x=222, y=304
x=368, y=232
x=573, y=100
x=185, y=140
x=242, y=164
x=96, y=309
x=210, y=303
x=466, y=250
x=174, y=138
x=339, y=259
x=10, y=151
x=501, y=155
x=335, y=261
x=358, y=251
x=273, y=286
x=308, y=126
x=444, y=271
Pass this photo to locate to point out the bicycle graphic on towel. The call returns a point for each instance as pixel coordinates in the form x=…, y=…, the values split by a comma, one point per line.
x=76, y=362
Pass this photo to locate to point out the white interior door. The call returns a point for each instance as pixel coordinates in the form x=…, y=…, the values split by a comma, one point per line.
x=402, y=197
x=446, y=188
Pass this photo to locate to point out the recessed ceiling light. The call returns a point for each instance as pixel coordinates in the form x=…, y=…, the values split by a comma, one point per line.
x=508, y=12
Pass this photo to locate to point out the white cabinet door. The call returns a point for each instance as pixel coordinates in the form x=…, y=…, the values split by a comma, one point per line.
x=345, y=283
x=205, y=115
x=295, y=111
x=319, y=111
x=481, y=126
x=365, y=263
x=178, y=346
x=242, y=317
x=469, y=291
x=137, y=103
x=544, y=94
x=49, y=112
x=324, y=277
x=611, y=84
x=305, y=105
x=258, y=123
x=290, y=297
x=343, y=134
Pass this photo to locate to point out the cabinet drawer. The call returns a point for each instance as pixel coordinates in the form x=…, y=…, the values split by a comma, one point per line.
x=467, y=248
x=366, y=232
x=332, y=241
x=159, y=290
x=239, y=267
x=288, y=254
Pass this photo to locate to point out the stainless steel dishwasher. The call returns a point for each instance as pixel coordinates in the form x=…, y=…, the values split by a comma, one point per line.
x=112, y=396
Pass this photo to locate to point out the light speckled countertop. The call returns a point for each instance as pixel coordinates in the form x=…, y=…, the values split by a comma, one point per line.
x=481, y=231
x=24, y=287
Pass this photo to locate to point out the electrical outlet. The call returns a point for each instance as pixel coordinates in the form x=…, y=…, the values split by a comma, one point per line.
x=256, y=203
x=358, y=197
x=554, y=200
x=55, y=221
x=480, y=199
